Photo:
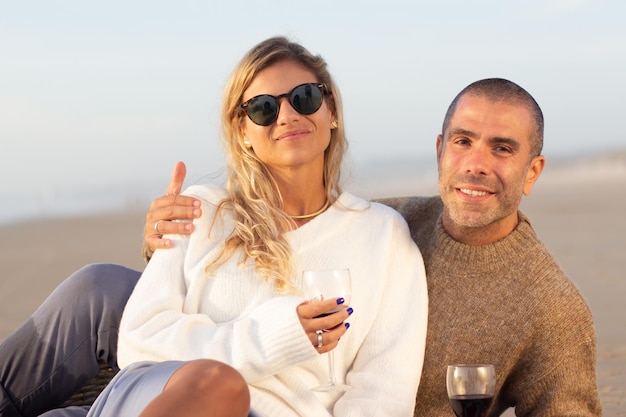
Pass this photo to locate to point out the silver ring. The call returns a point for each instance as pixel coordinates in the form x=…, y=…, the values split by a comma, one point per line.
x=156, y=226
x=319, y=338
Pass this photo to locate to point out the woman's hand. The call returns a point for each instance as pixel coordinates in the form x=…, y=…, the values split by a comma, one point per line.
x=330, y=327
x=164, y=209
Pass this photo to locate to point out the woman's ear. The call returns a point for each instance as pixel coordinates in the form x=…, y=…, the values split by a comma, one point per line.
x=242, y=134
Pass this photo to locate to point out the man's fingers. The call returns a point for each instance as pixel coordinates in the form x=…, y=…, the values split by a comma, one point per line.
x=154, y=231
x=169, y=208
x=170, y=205
x=155, y=242
x=178, y=177
x=174, y=228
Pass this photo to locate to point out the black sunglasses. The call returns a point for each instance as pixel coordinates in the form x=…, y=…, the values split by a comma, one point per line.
x=304, y=98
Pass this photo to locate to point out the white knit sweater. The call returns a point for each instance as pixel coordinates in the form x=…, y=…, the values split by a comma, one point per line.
x=176, y=312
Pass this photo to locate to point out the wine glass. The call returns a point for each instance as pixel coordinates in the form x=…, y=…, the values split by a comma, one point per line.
x=320, y=285
x=470, y=388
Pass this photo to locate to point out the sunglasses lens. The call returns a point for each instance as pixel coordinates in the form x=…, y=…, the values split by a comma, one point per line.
x=263, y=110
x=306, y=98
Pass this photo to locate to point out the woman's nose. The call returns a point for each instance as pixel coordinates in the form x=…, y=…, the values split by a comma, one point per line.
x=286, y=112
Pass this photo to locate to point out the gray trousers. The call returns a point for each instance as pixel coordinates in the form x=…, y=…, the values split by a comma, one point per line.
x=59, y=348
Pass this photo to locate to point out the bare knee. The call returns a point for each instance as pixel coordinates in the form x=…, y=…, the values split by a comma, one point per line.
x=206, y=373
x=215, y=384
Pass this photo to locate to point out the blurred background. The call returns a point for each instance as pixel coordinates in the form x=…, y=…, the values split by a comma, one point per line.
x=98, y=100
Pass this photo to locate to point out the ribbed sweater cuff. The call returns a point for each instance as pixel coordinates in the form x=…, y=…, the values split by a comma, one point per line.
x=281, y=337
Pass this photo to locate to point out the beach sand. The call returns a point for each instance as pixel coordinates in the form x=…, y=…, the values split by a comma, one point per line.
x=577, y=211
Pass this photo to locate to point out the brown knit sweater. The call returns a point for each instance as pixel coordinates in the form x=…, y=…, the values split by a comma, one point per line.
x=508, y=304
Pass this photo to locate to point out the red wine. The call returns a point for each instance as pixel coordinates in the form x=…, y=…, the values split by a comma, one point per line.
x=471, y=405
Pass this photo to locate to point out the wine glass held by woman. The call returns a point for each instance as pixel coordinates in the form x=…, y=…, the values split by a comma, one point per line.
x=232, y=291
x=320, y=285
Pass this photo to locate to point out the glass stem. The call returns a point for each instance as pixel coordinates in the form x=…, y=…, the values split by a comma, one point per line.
x=331, y=368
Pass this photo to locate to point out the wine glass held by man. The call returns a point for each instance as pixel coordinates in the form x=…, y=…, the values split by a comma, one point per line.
x=470, y=388
x=231, y=291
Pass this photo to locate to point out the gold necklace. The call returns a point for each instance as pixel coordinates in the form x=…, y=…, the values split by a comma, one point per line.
x=308, y=216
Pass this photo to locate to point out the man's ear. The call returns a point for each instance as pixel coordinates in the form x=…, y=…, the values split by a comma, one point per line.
x=534, y=171
x=439, y=146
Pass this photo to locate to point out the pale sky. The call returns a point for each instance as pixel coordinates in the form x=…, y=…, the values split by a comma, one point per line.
x=116, y=92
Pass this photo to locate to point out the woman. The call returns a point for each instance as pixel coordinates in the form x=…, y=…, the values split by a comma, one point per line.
x=228, y=297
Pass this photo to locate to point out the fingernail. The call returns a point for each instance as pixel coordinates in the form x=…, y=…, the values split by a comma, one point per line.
x=347, y=325
x=340, y=300
x=188, y=227
x=350, y=310
x=196, y=212
x=196, y=203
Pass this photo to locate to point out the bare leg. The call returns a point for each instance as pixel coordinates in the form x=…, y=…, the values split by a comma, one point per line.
x=203, y=388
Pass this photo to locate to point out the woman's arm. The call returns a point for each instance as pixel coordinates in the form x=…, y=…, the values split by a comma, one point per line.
x=168, y=317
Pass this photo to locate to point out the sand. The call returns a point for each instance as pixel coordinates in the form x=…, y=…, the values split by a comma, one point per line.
x=579, y=212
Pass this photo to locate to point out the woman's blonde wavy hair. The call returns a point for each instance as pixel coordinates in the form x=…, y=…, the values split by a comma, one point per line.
x=254, y=197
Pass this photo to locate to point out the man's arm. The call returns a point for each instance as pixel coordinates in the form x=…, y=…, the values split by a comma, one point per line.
x=166, y=208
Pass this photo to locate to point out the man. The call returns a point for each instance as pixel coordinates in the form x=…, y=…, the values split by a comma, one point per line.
x=495, y=293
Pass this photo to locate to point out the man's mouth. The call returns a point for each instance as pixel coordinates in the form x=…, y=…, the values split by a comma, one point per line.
x=473, y=193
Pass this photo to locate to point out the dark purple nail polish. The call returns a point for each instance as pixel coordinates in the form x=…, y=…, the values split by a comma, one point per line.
x=347, y=325
x=340, y=300
x=350, y=310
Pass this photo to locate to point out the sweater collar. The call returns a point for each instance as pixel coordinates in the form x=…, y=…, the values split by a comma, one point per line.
x=457, y=256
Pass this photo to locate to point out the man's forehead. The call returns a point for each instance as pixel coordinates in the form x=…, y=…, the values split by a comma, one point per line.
x=479, y=114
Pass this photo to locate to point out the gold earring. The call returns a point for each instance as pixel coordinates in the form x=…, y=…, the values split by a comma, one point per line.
x=334, y=124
